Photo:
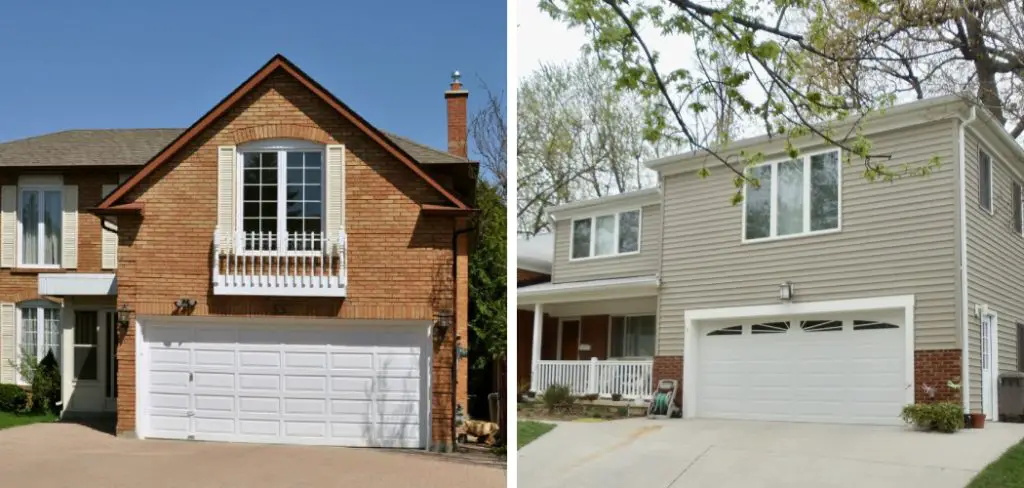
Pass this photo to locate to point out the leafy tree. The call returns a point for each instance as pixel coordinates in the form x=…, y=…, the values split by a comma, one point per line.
x=488, y=296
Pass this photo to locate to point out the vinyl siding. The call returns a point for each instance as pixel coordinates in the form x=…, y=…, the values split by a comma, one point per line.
x=896, y=239
x=643, y=263
x=995, y=261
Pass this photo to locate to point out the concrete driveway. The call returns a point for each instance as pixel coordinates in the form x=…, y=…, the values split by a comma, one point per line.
x=73, y=456
x=698, y=453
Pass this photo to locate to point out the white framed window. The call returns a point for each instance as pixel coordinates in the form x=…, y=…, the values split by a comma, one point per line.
x=985, y=181
x=613, y=234
x=631, y=336
x=1017, y=207
x=281, y=196
x=40, y=221
x=39, y=332
x=795, y=197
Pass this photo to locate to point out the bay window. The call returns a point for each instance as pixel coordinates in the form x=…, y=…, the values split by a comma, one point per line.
x=39, y=332
x=793, y=197
x=40, y=215
x=632, y=336
x=282, y=197
x=605, y=235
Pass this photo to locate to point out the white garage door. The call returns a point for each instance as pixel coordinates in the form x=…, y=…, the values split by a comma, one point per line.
x=839, y=369
x=285, y=383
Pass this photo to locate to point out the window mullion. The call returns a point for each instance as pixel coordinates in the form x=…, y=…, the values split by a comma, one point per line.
x=773, y=213
x=40, y=332
x=282, y=185
x=615, y=234
x=807, y=194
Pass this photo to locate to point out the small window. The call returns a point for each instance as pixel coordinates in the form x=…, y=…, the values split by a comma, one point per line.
x=732, y=330
x=769, y=328
x=40, y=215
x=86, y=344
x=1017, y=210
x=798, y=196
x=985, y=181
x=632, y=336
x=282, y=197
x=581, y=238
x=821, y=325
x=872, y=325
x=606, y=235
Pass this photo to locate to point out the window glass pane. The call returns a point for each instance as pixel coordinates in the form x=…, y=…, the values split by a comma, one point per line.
x=790, y=199
x=618, y=331
x=304, y=201
x=985, y=181
x=640, y=336
x=581, y=238
x=29, y=334
x=30, y=227
x=605, y=244
x=85, y=362
x=259, y=200
x=759, y=203
x=825, y=191
x=52, y=332
x=629, y=231
x=52, y=221
x=86, y=340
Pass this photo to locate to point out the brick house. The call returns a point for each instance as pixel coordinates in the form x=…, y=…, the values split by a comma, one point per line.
x=187, y=292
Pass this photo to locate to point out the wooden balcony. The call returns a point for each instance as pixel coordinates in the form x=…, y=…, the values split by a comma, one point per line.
x=261, y=264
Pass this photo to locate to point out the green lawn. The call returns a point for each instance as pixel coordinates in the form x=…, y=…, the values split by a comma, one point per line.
x=1005, y=472
x=528, y=431
x=13, y=420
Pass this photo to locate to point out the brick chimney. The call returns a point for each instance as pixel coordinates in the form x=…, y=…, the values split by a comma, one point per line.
x=458, y=135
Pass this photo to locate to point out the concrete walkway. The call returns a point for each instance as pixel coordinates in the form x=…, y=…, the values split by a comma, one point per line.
x=73, y=456
x=697, y=453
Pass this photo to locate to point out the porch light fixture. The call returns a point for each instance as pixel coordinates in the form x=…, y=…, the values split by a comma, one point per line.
x=786, y=291
x=124, y=317
x=443, y=323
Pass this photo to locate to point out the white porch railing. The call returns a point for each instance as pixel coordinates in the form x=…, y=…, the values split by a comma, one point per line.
x=303, y=265
x=631, y=379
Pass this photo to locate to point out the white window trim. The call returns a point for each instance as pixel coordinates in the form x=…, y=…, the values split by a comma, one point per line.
x=991, y=179
x=806, y=158
x=39, y=306
x=20, y=239
x=624, y=326
x=593, y=234
x=280, y=146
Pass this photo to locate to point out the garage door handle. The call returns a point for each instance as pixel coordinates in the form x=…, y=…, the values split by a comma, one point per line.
x=190, y=414
x=190, y=377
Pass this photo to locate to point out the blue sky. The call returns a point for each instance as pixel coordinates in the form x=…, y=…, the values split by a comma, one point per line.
x=123, y=64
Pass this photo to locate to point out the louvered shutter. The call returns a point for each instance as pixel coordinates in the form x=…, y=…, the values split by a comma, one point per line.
x=69, y=228
x=8, y=225
x=225, y=196
x=334, y=204
x=7, y=344
x=109, y=237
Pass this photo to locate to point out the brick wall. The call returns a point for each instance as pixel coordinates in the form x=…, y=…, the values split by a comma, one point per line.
x=669, y=368
x=399, y=259
x=935, y=369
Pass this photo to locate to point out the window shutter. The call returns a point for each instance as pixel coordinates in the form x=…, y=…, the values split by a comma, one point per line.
x=1016, y=207
x=8, y=225
x=69, y=239
x=226, y=196
x=334, y=204
x=7, y=343
x=109, y=238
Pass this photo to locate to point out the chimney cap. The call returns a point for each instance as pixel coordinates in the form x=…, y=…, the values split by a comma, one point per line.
x=456, y=77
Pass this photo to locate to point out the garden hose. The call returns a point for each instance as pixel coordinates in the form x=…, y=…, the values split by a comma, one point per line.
x=659, y=405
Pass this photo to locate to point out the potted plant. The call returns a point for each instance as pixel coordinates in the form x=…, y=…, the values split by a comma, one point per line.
x=977, y=420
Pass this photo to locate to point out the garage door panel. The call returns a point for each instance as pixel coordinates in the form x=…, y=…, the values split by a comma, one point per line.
x=305, y=360
x=216, y=380
x=345, y=384
x=305, y=406
x=169, y=379
x=297, y=383
x=168, y=358
x=206, y=357
x=259, y=359
x=169, y=426
x=249, y=382
x=350, y=407
x=170, y=400
x=212, y=425
x=259, y=405
x=352, y=361
x=299, y=428
x=260, y=428
x=214, y=403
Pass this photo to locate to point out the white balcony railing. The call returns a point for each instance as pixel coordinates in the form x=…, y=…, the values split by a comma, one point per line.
x=301, y=265
x=631, y=379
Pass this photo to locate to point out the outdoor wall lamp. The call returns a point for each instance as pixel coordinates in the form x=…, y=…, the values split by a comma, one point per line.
x=185, y=303
x=443, y=323
x=124, y=317
x=786, y=291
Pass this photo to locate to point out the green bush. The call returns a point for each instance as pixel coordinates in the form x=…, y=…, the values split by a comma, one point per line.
x=943, y=417
x=13, y=398
x=557, y=396
x=46, y=385
x=591, y=397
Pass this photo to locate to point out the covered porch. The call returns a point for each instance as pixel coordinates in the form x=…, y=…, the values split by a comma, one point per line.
x=596, y=337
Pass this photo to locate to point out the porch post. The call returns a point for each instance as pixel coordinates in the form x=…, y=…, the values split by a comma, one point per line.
x=538, y=337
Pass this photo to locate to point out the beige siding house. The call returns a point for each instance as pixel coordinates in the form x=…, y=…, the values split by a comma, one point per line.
x=822, y=296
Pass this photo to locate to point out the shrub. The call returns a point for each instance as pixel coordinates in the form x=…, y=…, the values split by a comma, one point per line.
x=13, y=398
x=557, y=396
x=591, y=397
x=616, y=397
x=531, y=394
x=943, y=417
x=46, y=385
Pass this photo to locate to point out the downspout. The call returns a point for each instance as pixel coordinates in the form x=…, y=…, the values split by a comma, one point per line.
x=964, y=323
x=454, y=327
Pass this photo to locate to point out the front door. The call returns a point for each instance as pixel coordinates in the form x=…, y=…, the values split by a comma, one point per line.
x=989, y=364
x=91, y=366
x=570, y=339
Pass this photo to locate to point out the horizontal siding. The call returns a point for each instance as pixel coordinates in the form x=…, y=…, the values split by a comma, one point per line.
x=995, y=262
x=643, y=263
x=896, y=239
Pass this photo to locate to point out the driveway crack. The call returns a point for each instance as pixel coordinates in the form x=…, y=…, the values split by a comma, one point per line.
x=688, y=466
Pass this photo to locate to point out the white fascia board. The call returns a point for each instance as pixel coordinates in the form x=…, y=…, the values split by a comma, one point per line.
x=622, y=201
x=73, y=284
x=588, y=290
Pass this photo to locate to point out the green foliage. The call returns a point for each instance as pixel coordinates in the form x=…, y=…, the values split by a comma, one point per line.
x=13, y=399
x=46, y=385
x=487, y=277
x=943, y=416
x=1005, y=472
x=528, y=431
x=558, y=396
x=590, y=397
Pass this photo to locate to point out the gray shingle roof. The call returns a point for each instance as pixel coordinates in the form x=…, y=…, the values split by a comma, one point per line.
x=104, y=147
x=134, y=147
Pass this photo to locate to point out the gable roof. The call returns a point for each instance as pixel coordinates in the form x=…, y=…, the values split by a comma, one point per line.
x=278, y=62
x=423, y=153
x=103, y=147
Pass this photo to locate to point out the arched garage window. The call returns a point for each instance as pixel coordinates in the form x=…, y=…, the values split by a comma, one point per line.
x=727, y=331
x=769, y=328
x=821, y=325
x=872, y=325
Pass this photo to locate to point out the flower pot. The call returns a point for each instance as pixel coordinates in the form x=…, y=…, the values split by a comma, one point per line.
x=977, y=420
x=967, y=421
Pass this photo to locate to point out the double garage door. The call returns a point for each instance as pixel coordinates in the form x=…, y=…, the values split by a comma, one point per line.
x=285, y=383
x=835, y=369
